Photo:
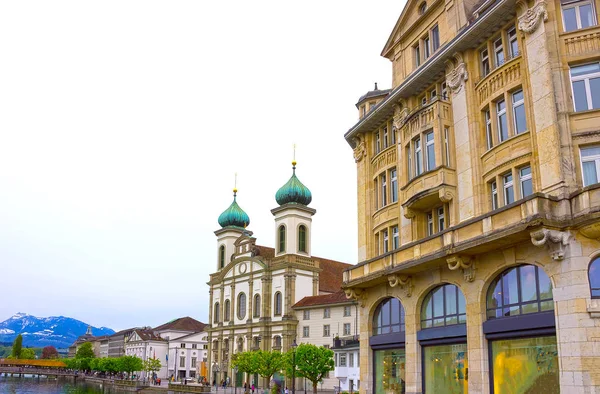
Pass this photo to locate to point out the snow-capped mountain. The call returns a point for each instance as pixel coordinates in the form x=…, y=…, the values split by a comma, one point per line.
x=58, y=331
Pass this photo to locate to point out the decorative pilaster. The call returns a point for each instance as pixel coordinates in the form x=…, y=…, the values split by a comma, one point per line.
x=250, y=299
x=221, y=306
x=266, y=297
x=232, y=313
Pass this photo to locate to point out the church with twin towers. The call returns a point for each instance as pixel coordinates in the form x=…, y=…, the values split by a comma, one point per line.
x=255, y=290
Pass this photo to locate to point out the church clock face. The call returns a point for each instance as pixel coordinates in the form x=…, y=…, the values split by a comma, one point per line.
x=243, y=267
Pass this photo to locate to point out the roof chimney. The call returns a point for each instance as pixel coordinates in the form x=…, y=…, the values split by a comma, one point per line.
x=376, y=86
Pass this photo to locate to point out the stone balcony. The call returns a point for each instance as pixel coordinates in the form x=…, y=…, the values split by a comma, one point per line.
x=580, y=44
x=501, y=78
x=428, y=190
x=529, y=219
x=425, y=118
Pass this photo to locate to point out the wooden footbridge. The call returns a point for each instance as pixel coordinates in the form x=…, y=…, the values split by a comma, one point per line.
x=35, y=368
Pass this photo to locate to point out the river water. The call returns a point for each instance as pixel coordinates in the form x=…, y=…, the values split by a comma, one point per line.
x=32, y=385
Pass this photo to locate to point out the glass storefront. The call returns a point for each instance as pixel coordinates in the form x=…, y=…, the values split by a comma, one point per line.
x=525, y=366
x=390, y=369
x=446, y=369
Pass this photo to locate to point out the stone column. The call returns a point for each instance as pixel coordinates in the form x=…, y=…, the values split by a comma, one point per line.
x=232, y=311
x=412, y=349
x=290, y=293
x=362, y=196
x=478, y=362
x=221, y=306
x=266, y=297
x=210, y=306
x=250, y=299
x=456, y=76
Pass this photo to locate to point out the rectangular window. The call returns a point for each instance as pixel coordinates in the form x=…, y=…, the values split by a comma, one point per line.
x=389, y=374
x=447, y=145
x=377, y=143
x=193, y=362
x=438, y=361
x=444, y=91
x=347, y=310
x=513, y=43
x=518, y=102
x=578, y=15
x=418, y=157
x=385, y=137
x=432, y=94
x=326, y=330
x=305, y=331
x=194, y=346
x=326, y=313
x=394, y=178
x=182, y=361
x=306, y=315
x=351, y=361
x=395, y=237
x=346, y=328
x=393, y=136
x=342, y=359
x=385, y=241
x=435, y=38
x=488, y=129
x=430, y=223
x=585, y=81
x=499, y=52
x=525, y=181
x=509, y=192
x=182, y=345
x=424, y=100
x=485, y=62
x=417, y=55
x=430, y=150
x=440, y=217
x=426, y=47
x=502, y=124
x=376, y=194
x=409, y=163
x=590, y=164
x=383, y=190
x=494, y=189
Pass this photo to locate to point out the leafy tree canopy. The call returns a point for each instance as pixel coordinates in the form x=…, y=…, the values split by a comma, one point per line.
x=85, y=351
x=27, y=354
x=152, y=365
x=130, y=364
x=312, y=362
x=17, y=346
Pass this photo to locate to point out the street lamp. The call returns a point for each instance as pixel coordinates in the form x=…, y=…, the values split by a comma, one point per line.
x=294, y=346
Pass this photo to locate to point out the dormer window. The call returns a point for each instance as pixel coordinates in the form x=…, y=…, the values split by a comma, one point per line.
x=422, y=8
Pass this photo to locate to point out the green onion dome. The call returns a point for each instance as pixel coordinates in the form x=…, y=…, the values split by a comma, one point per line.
x=293, y=191
x=234, y=215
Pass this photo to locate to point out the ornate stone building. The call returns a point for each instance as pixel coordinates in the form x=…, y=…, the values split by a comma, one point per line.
x=478, y=202
x=254, y=287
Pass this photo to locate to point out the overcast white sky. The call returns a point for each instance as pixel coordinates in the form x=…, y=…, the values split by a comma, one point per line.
x=122, y=124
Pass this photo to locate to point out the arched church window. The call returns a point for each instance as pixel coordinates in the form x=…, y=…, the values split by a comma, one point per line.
x=241, y=306
x=227, y=310
x=216, y=316
x=281, y=238
x=594, y=275
x=388, y=317
x=443, y=306
x=302, y=239
x=222, y=257
x=278, y=304
x=256, y=306
x=519, y=291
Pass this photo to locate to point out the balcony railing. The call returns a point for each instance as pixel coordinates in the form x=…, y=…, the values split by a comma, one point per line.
x=344, y=342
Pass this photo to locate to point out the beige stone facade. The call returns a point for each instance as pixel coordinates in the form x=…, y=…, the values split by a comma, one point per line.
x=482, y=158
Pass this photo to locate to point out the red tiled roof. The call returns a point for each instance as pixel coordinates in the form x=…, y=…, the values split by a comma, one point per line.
x=148, y=335
x=183, y=324
x=330, y=279
x=266, y=252
x=325, y=299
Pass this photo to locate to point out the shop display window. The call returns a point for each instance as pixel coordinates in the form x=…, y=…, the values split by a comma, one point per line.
x=390, y=369
x=446, y=369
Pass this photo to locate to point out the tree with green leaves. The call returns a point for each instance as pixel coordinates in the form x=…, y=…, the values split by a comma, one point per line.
x=130, y=364
x=27, y=354
x=152, y=365
x=17, y=346
x=267, y=364
x=245, y=362
x=85, y=351
x=311, y=362
x=71, y=363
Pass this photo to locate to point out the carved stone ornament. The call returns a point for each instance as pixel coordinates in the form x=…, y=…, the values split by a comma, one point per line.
x=400, y=114
x=465, y=264
x=530, y=19
x=445, y=194
x=456, y=73
x=359, y=150
x=555, y=241
x=403, y=281
x=358, y=295
x=409, y=213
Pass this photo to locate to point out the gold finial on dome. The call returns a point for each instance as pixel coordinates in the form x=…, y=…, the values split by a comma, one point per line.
x=294, y=157
x=235, y=184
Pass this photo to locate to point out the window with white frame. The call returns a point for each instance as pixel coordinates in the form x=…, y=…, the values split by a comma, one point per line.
x=395, y=237
x=342, y=359
x=346, y=328
x=590, y=164
x=377, y=143
x=393, y=136
x=306, y=314
x=347, y=310
x=305, y=331
x=447, y=145
x=518, y=103
x=182, y=361
x=409, y=167
x=417, y=55
x=430, y=223
x=509, y=191
x=193, y=362
x=494, y=189
x=385, y=241
x=513, y=43
x=502, y=122
x=435, y=38
x=383, y=183
x=394, y=184
x=488, y=129
x=432, y=94
x=485, y=62
x=326, y=313
x=444, y=91
x=578, y=15
x=418, y=157
x=525, y=181
x=351, y=360
x=440, y=219
x=430, y=151
x=498, y=52
x=326, y=330
x=585, y=81
x=426, y=47
x=385, y=137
